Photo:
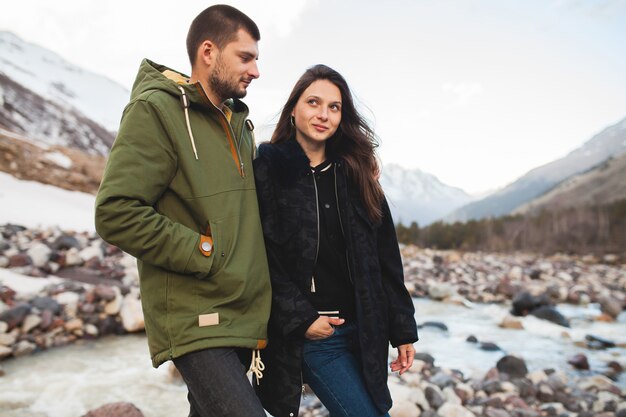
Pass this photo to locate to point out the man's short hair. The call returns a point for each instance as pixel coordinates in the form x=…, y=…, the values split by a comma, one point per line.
x=219, y=24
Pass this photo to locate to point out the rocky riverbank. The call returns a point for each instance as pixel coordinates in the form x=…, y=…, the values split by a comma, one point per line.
x=56, y=288
x=59, y=287
x=527, y=281
x=507, y=390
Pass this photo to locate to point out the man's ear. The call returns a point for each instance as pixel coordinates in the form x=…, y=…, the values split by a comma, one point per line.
x=207, y=52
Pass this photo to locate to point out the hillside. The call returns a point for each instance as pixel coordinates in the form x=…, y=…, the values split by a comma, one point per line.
x=611, y=142
x=66, y=168
x=601, y=185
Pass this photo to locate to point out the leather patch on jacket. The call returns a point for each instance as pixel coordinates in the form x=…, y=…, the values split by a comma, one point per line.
x=212, y=319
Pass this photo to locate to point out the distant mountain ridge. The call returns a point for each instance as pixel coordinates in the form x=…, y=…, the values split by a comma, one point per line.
x=50, y=76
x=611, y=142
x=414, y=195
x=602, y=185
x=24, y=112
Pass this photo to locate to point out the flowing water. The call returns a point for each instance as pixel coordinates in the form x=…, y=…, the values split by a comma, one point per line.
x=69, y=381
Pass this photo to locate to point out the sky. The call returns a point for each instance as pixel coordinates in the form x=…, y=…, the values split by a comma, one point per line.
x=475, y=92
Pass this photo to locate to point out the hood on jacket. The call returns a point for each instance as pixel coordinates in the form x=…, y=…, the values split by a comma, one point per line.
x=152, y=76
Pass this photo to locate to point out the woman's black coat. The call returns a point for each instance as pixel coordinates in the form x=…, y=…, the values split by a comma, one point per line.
x=385, y=312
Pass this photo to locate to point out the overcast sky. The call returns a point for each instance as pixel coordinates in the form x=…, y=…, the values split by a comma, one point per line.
x=474, y=92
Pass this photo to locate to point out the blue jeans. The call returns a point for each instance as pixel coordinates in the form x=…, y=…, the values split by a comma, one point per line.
x=217, y=383
x=332, y=369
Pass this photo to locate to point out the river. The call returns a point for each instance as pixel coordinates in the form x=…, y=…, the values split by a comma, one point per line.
x=69, y=381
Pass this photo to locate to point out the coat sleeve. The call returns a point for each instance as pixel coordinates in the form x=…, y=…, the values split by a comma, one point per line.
x=402, y=327
x=291, y=310
x=139, y=169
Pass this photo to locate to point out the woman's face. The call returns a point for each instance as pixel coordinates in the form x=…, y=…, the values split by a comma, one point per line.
x=317, y=113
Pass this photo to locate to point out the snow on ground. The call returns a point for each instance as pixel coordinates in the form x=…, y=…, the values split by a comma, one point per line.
x=23, y=285
x=32, y=204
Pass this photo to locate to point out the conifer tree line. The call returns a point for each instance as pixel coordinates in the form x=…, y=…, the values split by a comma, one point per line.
x=581, y=230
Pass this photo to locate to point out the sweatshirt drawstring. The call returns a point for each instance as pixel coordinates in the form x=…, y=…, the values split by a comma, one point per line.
x=257, y=366
x=185, y=101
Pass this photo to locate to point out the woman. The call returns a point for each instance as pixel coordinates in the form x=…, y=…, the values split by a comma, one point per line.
x=336, y=272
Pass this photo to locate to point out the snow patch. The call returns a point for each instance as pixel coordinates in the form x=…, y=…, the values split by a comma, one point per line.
x=23, y=285
x=59, y=159
x=32, y=204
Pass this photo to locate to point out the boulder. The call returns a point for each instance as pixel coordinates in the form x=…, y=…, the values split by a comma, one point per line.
x=579, y=361
x=551, y=314
x=513, y=366
x=401, y=409
x=132, y=314
x=15, y=316
x=119, y=409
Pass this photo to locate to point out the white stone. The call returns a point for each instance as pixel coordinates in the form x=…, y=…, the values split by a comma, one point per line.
x=597, y=381
x=5, y=351
x=440, y=290
x=516, y=272
x=450, y=396
x=24, y=348
x=418, y=397
x=537, y=376
x=508, y=386
x=132, y=314
x=91, y=330
x=399, y=392
x=465, y=388
x=72, y=257
x=4, y=261
x=3, y=327
x=6, y=339
x=604, y=397
x=67, y=298
x=404, y=409
x=113, y=307
x=564, y=276
x=40, y=254
x=30, y=322
x=454, y=410
x=91, y=251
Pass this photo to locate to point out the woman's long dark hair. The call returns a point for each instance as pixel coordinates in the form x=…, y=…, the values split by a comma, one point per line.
x=354, y=142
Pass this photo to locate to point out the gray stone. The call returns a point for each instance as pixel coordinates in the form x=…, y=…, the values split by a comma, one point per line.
x=435, y=400
x=441, y=379
x=14, y=316
x=513, y=366
x=46, y=303
x=65, y=242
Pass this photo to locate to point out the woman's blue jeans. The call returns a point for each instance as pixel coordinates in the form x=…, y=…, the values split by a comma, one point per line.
x=332, y=369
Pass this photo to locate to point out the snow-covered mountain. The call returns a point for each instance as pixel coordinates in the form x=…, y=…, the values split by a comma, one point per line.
x=611, y=142
x=28, y=114
x=50, y=76
x=414, y=195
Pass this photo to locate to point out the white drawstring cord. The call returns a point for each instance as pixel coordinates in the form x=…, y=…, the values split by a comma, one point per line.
x=185, y=102
x=257, y=366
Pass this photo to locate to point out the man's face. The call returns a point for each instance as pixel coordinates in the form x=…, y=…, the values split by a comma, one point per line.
x=235, y=67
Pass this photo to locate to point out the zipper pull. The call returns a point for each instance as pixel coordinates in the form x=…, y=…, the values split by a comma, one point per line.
x=243, y=174
x=312, y=284
x=303, y=392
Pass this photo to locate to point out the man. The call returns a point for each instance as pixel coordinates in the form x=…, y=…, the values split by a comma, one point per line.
x=178, y=193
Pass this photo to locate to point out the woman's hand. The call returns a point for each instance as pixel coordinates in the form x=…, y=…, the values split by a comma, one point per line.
x=406, y=354
x=322, y=328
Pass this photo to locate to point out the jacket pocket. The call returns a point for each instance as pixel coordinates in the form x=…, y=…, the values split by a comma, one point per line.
x=198, y=264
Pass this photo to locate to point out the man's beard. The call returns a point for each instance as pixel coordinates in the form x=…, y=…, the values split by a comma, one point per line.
x=222, y=86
